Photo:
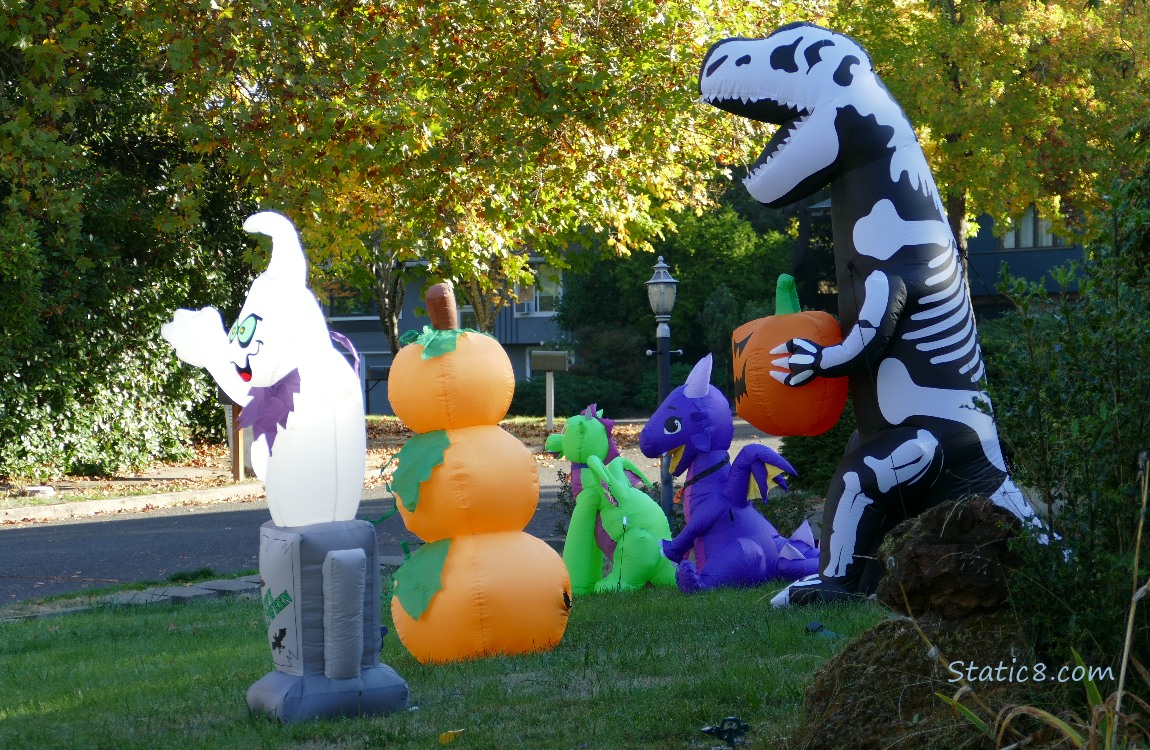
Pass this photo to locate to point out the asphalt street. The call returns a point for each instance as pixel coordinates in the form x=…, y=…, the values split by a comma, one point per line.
x=45, y=559
x=81, y=554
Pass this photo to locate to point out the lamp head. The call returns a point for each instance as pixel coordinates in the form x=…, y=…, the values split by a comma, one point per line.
x=661, y=289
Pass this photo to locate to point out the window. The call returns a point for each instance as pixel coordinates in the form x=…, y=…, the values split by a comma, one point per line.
x=345, y=304
x=542, y=297
x=1029, y=232
x=467, y=317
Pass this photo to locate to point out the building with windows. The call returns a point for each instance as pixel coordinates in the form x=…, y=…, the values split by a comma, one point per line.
x=527, y=325
x=1030, y=250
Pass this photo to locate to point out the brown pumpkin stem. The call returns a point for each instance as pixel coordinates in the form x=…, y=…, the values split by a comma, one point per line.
x=441, y=307
x=786, y=295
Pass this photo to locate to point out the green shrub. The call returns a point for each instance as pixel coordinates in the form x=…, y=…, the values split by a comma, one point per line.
x=1071, y=389
x=112, y=408
x=646, y=389
x=787, y=510
x=90, y=387
x=108, y=222
x=816, y=458
x=574, y=391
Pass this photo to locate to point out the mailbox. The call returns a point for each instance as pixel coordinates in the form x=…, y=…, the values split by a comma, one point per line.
x=548, y=361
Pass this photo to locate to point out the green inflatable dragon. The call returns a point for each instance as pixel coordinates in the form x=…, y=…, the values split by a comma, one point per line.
x=612, y=517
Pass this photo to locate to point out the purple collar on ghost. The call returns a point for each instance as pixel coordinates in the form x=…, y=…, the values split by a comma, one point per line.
x=269, y=408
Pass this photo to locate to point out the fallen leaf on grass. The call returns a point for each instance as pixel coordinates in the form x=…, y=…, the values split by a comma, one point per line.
x=450, y=736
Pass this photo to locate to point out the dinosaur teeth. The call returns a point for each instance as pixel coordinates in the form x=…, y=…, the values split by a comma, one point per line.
x=778, y=143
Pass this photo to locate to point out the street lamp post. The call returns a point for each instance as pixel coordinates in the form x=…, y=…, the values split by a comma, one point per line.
x=661, y=293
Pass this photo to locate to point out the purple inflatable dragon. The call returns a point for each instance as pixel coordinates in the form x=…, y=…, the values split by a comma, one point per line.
x=734, y=545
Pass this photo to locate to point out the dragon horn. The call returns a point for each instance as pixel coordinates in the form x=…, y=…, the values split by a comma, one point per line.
x=699, y=381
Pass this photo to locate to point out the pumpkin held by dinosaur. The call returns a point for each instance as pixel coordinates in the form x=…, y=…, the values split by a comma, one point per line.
x=760, y=395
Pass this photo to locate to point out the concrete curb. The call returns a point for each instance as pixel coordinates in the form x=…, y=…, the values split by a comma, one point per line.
x=84, y=508
x=222, y=493
x=248, y=586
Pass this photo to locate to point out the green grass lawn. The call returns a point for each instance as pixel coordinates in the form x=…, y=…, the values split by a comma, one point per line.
x=641, y=670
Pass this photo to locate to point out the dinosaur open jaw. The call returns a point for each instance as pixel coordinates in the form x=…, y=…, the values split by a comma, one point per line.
x=778, y=141
x=676, y=455
x=789, y=117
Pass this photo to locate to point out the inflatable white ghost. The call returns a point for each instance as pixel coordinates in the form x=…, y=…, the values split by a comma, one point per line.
x=298, y=394
x=318, y=564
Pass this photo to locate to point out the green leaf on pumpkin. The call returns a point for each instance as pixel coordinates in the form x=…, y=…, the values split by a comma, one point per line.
x=421, y=577
x=415, y=462
x=436, y=342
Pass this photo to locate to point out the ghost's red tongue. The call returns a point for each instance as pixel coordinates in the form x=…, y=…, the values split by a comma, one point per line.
x=245, y=376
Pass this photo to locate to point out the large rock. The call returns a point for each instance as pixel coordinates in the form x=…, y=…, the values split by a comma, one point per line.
x=950, y=562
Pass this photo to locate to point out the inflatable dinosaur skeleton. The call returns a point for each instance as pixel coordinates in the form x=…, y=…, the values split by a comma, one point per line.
x=925, y=429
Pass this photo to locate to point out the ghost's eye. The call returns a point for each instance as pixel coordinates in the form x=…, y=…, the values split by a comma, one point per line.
x=243, y=331
x=672, y=425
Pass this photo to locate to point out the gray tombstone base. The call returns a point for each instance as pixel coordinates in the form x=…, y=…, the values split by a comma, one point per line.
x=378, y=690
x=321, y=599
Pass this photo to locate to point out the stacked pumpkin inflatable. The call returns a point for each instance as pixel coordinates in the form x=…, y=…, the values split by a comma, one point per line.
x=479, y=585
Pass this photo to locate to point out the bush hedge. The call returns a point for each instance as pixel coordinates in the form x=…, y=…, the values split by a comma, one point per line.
x=1071, y=391
x=108, y=224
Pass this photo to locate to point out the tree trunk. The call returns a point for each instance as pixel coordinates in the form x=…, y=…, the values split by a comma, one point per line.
x=956, y=216
x=389, y=291
x=485, y=302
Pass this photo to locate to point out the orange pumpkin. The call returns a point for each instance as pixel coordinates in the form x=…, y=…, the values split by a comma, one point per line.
x=462, y=386
x=486, y=482
x=777, y=409
x=468, y=488
x=502, y=593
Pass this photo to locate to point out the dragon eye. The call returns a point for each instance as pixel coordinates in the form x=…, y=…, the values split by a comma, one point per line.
x=672, y=426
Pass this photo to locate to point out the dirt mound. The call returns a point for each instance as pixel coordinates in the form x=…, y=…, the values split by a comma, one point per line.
x=948, y=568
x=950, y=562
x=879, y=692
